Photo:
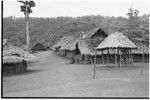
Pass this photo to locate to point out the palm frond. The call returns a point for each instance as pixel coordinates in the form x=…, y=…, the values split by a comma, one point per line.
x=31, y=3
x=22, y=2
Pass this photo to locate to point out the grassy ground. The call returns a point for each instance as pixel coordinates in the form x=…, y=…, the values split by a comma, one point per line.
x=52, y=77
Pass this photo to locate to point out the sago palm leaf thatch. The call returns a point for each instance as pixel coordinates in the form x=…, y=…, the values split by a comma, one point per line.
x=116, y=40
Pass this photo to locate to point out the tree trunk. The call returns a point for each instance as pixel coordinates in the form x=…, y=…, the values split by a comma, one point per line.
x=27, y=31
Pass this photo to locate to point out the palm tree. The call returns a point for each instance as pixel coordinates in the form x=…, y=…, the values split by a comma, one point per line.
x=26, y=9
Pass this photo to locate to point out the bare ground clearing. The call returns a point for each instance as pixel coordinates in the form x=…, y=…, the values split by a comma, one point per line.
x=52, y=77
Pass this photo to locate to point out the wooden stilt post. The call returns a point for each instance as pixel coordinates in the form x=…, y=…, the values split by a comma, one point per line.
x=120, y=58
x=108, y=57
x=94, y=65
x=116, y=58
x=131, y=58
x=128, y=56
x=102, y=58
x=142, y=62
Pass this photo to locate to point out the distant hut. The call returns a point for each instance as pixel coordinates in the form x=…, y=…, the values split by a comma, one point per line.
x=62, y=42
x=38, y=47
x=69, y=47
x=79, y=50
x=121, y=45
x=141, y=53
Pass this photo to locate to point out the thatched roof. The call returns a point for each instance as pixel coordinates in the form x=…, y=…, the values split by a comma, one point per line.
x=12, y=59
x=82, y=45
x=70, y=44
x=116, y=40
x=38, y=47
x=93, y=32
x=84, y=48
x=141, y=49
x=17, y=52
x=62, y=42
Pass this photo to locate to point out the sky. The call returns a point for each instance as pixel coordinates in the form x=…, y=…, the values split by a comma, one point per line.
x=74, y=8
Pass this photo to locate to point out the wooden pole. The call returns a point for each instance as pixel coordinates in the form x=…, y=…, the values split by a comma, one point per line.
x=131, y=58
x=94, y=66
x=142, y=60
x=108, y=56
x=116, y=58
x=120, y=58
x=102, y=58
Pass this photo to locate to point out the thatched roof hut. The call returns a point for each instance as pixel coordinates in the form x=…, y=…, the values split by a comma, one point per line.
x=38, y=47
x=120, y=44
x=10, y=50
x=116, y=40
x=15, y=59
x=62, y=42
x=78, y=43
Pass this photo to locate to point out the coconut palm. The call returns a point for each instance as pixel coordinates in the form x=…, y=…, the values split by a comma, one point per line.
x=26, y=9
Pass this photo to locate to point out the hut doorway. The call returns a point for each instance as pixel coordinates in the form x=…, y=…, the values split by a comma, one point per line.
x=77, y=51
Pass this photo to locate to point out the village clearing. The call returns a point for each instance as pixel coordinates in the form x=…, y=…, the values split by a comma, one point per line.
x=52, y=77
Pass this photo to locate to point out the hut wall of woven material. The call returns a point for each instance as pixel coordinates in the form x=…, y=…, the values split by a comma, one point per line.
x=38, y=47
x=138, y=58
x=61, y=53
x=70, y=54
x=14, y=68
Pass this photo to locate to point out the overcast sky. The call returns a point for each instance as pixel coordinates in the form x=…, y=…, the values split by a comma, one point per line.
x=73, y=8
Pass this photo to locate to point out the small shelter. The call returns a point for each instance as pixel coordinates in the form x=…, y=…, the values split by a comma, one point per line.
x=141, y=54
x=121, y=45
x=79, y=50
x=63, y=41
x=38, y=47
x=69, y=47
x=15, y=59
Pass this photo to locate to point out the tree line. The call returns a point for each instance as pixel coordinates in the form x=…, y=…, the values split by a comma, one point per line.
x=48, y=31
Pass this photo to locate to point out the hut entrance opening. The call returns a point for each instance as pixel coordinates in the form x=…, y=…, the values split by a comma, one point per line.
x=38, y=47
x=77, y=52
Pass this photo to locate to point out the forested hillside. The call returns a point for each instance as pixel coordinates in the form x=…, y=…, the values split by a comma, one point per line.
x=49, y=30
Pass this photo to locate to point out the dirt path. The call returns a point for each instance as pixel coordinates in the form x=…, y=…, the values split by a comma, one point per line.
x=52, y=77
